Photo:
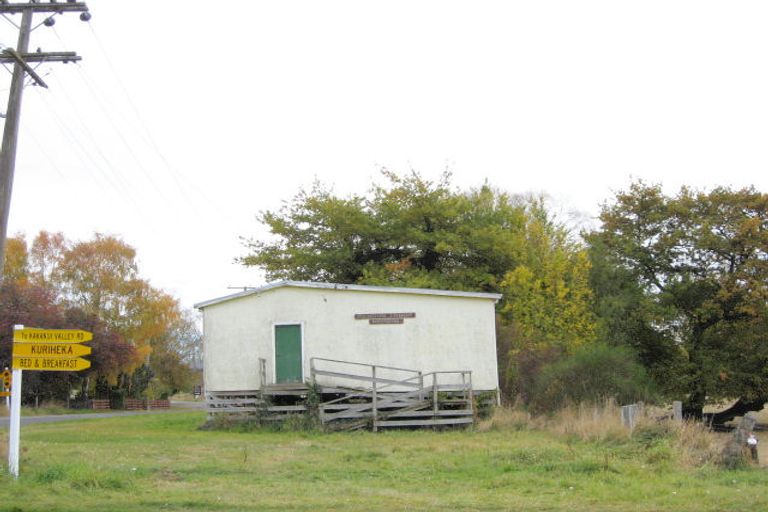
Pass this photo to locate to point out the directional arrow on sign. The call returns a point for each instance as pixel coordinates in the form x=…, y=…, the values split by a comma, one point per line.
x=51, y=336
x=50, y=349
x=51, y=364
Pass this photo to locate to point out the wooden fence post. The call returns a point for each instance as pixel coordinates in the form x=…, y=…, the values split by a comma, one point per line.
x=677, y=410
x=629, y=415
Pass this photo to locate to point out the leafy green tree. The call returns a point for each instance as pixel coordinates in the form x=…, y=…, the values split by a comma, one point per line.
x=627, y=316
x=700, y=260
x=412, y=232
x=418, y=233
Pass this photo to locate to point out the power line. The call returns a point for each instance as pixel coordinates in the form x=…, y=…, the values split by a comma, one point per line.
x=114, y=178
x=181, y=181
x=122, y=138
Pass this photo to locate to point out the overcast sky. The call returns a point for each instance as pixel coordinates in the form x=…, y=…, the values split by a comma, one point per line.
x=186, y=118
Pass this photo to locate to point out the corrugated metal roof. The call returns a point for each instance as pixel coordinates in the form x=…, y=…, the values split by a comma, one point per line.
x=348, y=287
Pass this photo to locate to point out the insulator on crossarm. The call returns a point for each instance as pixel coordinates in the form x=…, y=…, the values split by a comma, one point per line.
x=85, y=16
x=49, y=21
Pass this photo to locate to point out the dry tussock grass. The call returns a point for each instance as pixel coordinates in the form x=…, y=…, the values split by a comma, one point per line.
x=598, y=422
x=507, y=418
x=586, y=422
x=695, y=445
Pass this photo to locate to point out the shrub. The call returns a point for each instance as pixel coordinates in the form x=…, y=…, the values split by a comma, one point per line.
x=592, y=374
x=522, y=368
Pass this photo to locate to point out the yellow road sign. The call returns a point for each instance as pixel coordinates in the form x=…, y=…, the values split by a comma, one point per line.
x=50, y=349
x=51, y=364
x=51, y=336
x=5, y=393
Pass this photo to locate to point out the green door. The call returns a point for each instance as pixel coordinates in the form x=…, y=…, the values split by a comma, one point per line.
x=288, y=354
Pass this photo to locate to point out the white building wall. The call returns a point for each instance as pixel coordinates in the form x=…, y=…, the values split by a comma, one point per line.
x=447, y=333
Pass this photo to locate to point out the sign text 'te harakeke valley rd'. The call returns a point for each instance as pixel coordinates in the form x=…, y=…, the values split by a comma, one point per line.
x=51, y=336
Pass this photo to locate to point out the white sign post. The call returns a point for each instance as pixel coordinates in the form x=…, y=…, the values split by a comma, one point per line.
x=40, y=350
x=14, y=430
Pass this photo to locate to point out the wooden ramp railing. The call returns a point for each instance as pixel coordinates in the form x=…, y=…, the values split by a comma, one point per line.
x=356, y=396
x=384, y=396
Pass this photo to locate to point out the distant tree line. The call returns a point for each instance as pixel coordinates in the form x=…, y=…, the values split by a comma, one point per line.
x=143, y=343
x=667, y=297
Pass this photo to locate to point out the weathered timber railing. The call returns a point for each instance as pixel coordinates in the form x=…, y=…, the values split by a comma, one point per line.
x=357, y=395
x=241, y=403
x=379, y=395
x=262, y=373
x=370, y=373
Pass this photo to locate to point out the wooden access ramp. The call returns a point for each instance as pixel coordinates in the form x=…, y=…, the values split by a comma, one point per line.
x=378, y=396
x=345, y=395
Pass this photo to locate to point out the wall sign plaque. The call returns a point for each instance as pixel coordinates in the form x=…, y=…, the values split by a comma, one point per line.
x=384, y=318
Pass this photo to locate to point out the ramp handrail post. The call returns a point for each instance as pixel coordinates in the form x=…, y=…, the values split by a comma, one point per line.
x=471, y=397
x=374, y=400
x=434, y=393
x=262, y=372
x=312, y=371
x=421, y=386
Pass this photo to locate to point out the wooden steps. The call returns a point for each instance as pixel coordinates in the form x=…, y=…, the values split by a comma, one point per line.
x=426, y=422
x=377, y=397
x=291, y=389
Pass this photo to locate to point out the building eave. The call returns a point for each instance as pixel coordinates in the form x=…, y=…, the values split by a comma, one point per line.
x=348, y=287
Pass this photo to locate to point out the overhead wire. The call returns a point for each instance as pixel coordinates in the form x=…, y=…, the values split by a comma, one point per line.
x=5, y=16
x=83, y=126
x=129, y=149
x=98, y=98
x=113, y=178
x=43, y=151
x=179, y=178
x=75, y=142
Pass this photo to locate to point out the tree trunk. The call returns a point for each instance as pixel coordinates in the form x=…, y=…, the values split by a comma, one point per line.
x=693, y=407
x=740, y=408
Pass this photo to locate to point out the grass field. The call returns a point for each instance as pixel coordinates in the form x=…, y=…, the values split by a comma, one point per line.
x=47, y=410
x=163, y=462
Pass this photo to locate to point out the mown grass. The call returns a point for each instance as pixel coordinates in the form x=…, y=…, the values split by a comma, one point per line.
x=48, y=410
x=163, y=462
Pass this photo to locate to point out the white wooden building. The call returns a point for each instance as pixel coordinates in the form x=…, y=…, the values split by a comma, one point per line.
x=341, y=336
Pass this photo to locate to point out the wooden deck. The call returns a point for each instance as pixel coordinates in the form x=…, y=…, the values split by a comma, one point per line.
x=376, y=397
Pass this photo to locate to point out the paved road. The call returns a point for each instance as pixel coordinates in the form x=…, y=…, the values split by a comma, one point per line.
x=27, y=420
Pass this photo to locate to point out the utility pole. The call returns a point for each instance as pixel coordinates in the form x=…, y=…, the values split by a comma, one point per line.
x=21, y=58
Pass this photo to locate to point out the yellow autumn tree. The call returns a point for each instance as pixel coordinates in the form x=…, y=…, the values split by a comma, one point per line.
x=16, y=257
x=100, y=276
x=546, y=312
